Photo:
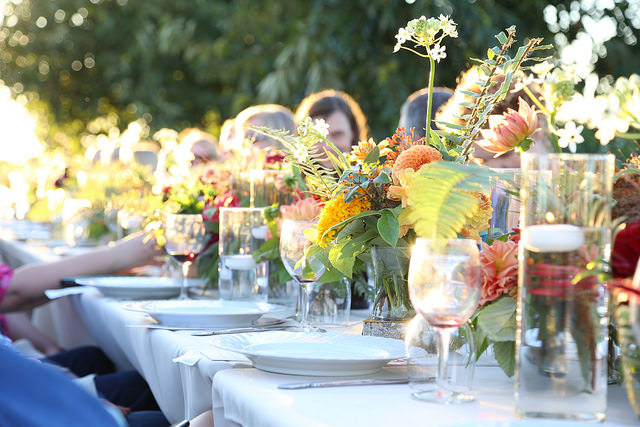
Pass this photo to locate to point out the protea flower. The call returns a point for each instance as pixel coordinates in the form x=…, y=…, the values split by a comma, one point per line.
x=510, y=130
x=499, y=269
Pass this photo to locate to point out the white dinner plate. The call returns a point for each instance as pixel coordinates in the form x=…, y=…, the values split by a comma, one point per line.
x=136, y=287
x=213, y=314
x=317, y=354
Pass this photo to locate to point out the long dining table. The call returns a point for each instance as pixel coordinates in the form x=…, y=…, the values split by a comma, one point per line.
x=188, y=376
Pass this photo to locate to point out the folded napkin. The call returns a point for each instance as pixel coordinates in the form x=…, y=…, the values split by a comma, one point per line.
x=58, y=293
x=191, y=357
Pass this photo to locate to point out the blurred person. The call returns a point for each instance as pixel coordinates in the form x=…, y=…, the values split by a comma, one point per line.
x=454, y=107
x=227, y=132
x=413, y=113
x=202, y=145
x=24, y=288
x=347, y=123
x=265, y=115
x=145, y=153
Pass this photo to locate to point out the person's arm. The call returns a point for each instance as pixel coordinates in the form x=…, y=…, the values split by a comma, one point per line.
x=19, y=326
x=26, y=287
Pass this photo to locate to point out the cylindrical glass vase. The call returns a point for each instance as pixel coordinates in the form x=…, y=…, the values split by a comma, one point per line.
x=391, y=270
x=561, y=338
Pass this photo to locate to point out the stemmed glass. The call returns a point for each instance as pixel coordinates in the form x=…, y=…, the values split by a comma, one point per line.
x=184, y=239
x=304, y=269
x=444, y=287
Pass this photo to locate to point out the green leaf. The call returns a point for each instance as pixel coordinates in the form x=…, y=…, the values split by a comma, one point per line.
x=498, y=319
x=440, y=198
x=389, y=227
x=342, y=258
x=382, y=178
x=505, y=353
x=372, y=157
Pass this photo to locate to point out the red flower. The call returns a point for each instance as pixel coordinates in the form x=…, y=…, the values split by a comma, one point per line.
x=274, y=158
x=166, y=189
x=226, y=200
x=626, y=251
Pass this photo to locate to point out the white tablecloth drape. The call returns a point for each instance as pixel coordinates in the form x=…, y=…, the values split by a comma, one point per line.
x=248, y=397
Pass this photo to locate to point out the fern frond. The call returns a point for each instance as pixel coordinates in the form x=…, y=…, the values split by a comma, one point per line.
x=440, y=198
x=302, y=153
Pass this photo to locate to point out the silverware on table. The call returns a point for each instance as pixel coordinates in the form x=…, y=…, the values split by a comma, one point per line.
x=343, y=383
x=242, y=330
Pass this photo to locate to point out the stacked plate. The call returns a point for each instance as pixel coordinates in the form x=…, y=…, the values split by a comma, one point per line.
x=199, y=314
x=318, y=354
x=135, y=287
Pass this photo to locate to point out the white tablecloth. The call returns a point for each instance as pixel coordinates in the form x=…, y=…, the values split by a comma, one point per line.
x=248, y=397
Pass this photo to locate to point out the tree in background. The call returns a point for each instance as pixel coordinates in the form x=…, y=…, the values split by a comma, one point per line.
x=179, y=64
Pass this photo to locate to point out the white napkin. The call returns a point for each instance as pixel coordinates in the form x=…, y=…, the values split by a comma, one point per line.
x=191, y=357
x=58, y=293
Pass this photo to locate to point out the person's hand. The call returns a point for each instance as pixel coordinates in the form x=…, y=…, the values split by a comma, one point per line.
x=136, y=250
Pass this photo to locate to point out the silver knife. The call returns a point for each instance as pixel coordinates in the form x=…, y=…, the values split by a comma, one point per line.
x=343, y=383
x=242, y=330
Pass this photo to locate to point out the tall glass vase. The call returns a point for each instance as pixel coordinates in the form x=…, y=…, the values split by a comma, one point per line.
x=391, y=268
x=561, y=339
x=392, y=309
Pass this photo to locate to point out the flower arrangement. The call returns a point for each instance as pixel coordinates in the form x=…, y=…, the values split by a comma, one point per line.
x=385, y=193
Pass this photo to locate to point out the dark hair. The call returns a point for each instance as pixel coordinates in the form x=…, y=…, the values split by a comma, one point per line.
x=413, y=113
x=323, y=104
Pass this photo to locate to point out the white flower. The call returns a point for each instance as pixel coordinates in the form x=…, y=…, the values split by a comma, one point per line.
x=300, y=153
x=396, y=47
x=403, y=35
x=437, y=52
x=321, y=127
x=570, y=136
x=542, y=68
x=304, y=126
x=608, y=127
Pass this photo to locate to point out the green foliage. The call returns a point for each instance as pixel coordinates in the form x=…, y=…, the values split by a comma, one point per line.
x=440, y=198
x=495, y=324
x=194, y=63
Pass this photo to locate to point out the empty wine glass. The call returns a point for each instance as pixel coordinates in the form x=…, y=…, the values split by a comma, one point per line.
x=444, y=287
x=184, y=239
x=304, y=269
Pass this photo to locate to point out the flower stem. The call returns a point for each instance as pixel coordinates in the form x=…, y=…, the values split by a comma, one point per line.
x=432, y=74
x=628, y=135
x=535, y=100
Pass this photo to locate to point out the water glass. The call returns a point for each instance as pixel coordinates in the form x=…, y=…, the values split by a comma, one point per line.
x=421, y=345
x=330, y=303
x=242, y=232
x=561, y=336
x=505, y=201
x=267, y=187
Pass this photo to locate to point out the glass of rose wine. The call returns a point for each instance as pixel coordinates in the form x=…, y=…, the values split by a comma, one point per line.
x=184, y=239
x=304, y=268
x=444, y=287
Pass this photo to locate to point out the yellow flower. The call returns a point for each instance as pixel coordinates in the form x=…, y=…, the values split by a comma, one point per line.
x=480, y=218
x=336, y=211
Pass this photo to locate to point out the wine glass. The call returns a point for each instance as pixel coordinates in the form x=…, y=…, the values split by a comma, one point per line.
x=304, y=269
x=444, y=287
x=184, y=239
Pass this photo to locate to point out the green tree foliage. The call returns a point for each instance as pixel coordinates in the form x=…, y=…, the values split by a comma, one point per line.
x=184, y=63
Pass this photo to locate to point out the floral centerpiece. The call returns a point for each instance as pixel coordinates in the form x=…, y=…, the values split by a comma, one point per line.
x=386, y=193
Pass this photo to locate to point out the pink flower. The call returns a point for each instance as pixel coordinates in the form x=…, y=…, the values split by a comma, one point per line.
x=499, y=269
x=510, y=130
x=306, y=209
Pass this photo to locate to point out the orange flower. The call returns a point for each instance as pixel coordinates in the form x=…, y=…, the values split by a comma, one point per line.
x=510, y=130
x=360, y=152
x=499, y=269
x=480, y=218
x=413, y=158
